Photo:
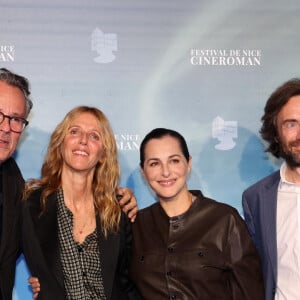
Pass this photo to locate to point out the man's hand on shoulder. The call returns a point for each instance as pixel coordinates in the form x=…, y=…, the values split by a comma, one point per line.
x=128, y=203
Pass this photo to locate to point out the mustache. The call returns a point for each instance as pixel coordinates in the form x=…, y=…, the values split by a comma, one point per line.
x=295, y=143
x=4, y=136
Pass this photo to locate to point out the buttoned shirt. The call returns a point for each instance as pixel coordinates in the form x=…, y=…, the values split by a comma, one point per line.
x=288, y=239
x=81, y=262
x=205, y=253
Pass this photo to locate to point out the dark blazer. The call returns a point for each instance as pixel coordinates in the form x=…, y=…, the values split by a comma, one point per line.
x=12, y=188
x=41, y=249
x=260, y=203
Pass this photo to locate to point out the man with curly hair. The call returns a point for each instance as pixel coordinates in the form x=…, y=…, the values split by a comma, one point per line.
x=271, y=206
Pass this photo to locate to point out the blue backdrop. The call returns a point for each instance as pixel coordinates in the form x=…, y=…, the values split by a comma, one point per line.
x=204, y=68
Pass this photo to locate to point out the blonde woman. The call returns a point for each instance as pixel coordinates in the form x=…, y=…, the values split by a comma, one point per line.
x=76, y=239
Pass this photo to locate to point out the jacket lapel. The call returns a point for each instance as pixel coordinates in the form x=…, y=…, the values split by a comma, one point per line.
x=109, y=253
x=47, y=234
x=269, y=194
x=12, y=186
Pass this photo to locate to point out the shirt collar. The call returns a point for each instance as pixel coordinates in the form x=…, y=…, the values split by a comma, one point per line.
x=284, y=183
x=282, y=173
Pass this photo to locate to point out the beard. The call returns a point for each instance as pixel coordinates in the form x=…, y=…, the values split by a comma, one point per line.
x=291, y=156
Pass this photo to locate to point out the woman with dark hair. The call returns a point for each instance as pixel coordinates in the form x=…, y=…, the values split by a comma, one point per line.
x=187, y=246
x=76, y=239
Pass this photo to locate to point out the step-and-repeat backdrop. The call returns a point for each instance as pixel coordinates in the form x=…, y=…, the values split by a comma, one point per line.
x=204, y=68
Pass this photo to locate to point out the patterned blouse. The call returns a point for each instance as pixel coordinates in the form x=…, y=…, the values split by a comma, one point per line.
x=81, y=262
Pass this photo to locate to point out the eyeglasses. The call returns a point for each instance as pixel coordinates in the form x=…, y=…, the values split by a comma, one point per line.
x=16, y=124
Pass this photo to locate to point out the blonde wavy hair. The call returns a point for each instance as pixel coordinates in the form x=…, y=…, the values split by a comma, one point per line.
x=106, y=175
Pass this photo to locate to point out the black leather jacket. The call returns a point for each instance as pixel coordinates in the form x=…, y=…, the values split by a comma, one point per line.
x=205, y=253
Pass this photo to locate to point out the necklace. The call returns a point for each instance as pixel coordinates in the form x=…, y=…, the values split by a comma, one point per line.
x=82, y=228
x=82, y=221
x=87, y=222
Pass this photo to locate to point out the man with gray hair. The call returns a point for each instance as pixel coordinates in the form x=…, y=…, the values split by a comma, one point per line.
x=15, y=106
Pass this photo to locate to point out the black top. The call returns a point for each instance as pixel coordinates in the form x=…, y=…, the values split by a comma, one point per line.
x=1, y=205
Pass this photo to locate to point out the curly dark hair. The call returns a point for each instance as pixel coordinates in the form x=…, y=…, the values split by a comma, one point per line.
x=276, y=101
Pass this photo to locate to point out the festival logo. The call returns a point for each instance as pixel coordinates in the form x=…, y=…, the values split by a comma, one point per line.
x=127, y=142
x=225, y=132
x=7, y=53
x=223, y=57
x=104, y=44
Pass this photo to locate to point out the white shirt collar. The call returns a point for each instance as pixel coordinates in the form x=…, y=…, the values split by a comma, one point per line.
x=284, y=183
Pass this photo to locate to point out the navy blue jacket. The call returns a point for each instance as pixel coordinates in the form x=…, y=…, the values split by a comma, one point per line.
x=259, y=204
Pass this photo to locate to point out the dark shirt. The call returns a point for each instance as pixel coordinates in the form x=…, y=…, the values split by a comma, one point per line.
x=205, y=253
x=1, y=208
x=1, y=213
x=12, y=188
x=1, y=205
